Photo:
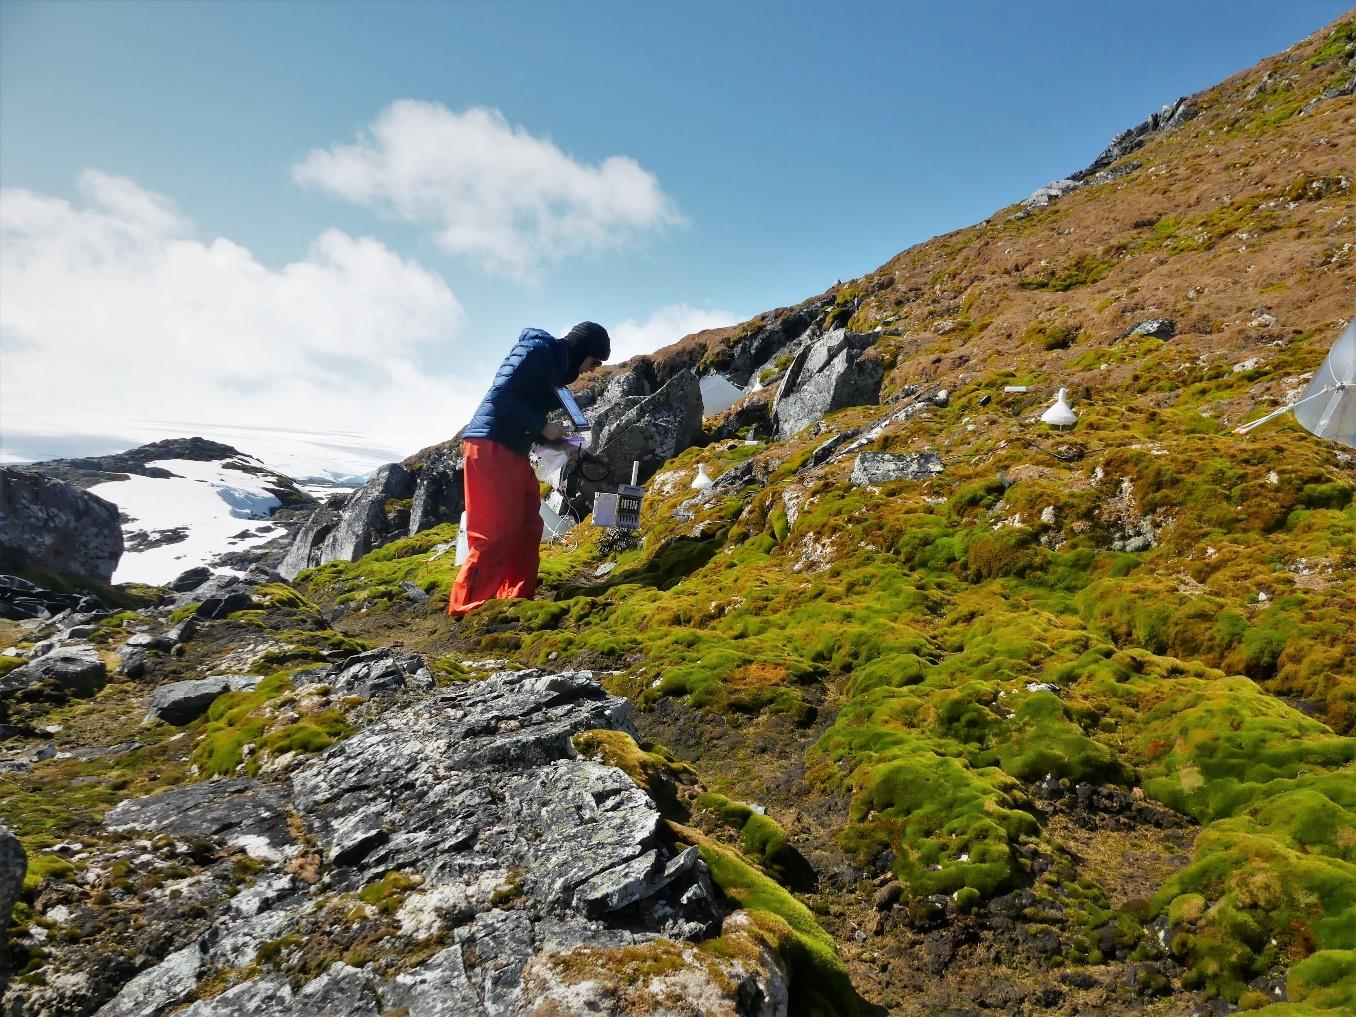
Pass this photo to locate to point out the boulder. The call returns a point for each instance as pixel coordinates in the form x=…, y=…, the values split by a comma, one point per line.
x=649, y=429
x=191, y=580
x=181, y=702
x=49, y=524
x=135, y=661
x=226, y=602
x=182, y=632
x=826, y=375
x=871, y=468
x=72, y=670
x=20, y=599
x=379, y=671
x=1154, y=328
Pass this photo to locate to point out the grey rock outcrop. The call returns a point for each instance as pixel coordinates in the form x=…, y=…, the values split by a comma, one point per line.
x=75, y=669
x=826, y=375
x=156, y=989
x=305, y=550
x=377, y=672
x=363, y=521
x=1153, y=328
x=515, y=853
x=649, y=429
x=20, y=599
x=45, y=523
x=871, y=468
x=236, y=812
x=366, y=520
x=1169, y=117
x=764, y=343
x=1057, y=189
x=439, y=494
x=1100, y=171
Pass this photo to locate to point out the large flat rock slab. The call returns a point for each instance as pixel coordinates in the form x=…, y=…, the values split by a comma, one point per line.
x=500, y=852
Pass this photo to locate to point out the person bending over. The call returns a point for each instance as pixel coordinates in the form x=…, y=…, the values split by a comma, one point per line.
x=503, y=515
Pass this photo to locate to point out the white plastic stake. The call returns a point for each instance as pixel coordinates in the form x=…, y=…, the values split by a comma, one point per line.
x=635, y=472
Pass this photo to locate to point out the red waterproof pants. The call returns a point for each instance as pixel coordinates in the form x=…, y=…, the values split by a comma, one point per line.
x=503, y=527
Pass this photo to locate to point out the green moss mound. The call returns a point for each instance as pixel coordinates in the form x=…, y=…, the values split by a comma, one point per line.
x=819, y=984
x=761, y=838
x=240, y=719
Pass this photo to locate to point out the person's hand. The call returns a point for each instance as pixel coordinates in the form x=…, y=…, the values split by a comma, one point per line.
x=553, y=431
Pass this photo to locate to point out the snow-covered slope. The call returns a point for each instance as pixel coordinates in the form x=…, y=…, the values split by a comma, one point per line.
x=185, y=502
x=174, y=523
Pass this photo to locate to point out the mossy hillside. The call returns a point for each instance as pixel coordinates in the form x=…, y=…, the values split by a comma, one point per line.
x=64, y=800
x=1277, y=865
x=59, y=800
x=1088, y=736
x=996, y=605
x=978, y=627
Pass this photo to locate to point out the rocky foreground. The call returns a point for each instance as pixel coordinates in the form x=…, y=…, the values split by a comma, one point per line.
x=456, y=855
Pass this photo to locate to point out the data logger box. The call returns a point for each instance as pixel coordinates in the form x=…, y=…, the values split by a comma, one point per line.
x=620, y=510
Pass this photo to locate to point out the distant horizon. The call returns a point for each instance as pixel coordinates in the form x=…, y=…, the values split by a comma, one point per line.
x=292, y=453
x=181, y=245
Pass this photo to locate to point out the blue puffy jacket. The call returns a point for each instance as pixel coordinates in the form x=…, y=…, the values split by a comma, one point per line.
x=514, y=410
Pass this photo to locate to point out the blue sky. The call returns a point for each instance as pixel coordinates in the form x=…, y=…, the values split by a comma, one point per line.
x=768, y=150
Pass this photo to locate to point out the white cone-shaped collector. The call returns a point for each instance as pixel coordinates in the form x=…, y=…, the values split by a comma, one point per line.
x=1327, y=407
x=701, y=481
x=1059, y=414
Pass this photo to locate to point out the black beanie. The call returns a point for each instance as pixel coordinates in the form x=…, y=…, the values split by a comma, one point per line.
x=589, y=339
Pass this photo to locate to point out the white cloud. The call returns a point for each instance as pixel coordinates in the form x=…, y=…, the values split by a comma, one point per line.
x=113, y=310
x=490, y=190
x=666, y=325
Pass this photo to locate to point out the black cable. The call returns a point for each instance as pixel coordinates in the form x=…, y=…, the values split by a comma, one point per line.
x=587, y=460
